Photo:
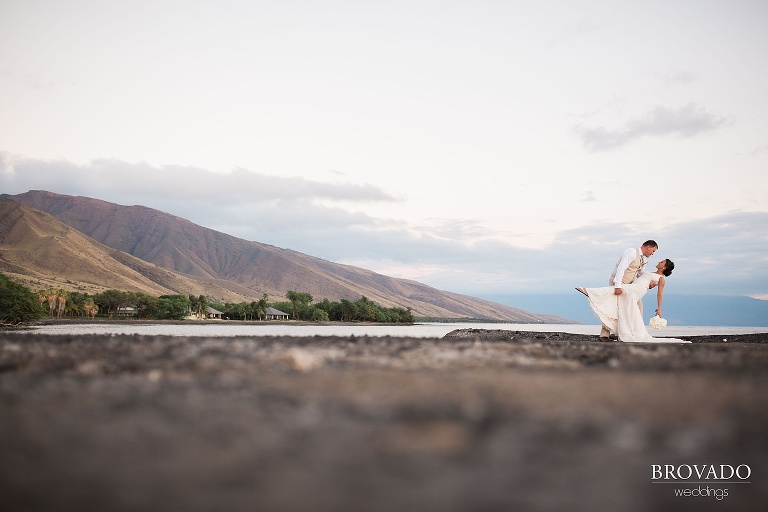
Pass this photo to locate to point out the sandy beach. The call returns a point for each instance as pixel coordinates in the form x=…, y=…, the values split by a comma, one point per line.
x=478, y=420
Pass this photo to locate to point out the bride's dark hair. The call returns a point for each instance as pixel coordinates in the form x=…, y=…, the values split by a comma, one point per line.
x=669, y=267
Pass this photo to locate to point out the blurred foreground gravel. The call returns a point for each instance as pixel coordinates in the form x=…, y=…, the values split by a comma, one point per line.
x=476, y=421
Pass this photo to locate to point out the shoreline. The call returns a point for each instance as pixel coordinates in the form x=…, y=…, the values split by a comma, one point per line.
x=128, y=321
x=759, y=334
x=487, y=334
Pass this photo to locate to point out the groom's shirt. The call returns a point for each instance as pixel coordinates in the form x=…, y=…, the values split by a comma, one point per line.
x=630, y=266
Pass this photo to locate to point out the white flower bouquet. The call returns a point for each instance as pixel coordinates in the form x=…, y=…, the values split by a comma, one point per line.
x=657, y=322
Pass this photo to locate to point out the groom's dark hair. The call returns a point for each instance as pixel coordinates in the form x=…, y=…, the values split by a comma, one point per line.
x=651, y=243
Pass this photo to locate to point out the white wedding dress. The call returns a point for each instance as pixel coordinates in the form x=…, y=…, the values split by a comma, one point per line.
x=621, y=314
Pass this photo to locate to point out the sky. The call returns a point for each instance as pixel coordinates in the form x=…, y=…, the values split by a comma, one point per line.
x=479, y=146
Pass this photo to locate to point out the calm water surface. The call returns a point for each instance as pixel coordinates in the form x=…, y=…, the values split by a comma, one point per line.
x=421, y=330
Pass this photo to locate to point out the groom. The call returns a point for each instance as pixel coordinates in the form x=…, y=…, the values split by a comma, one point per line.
x=629, y=266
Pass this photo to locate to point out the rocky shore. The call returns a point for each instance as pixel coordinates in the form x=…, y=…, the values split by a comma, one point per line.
x=477, y=420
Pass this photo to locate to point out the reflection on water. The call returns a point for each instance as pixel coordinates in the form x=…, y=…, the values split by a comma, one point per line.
x=422, y=330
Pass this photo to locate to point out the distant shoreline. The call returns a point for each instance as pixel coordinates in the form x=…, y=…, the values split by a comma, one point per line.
x=129, y=321
x=553, y=334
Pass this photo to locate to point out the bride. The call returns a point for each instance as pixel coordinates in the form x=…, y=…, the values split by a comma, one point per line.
x=621, y=314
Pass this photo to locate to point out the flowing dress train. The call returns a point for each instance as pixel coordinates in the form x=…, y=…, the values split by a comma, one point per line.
x=621, y=314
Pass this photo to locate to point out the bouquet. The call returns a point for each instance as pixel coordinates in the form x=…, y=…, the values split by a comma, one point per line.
x=657, y=322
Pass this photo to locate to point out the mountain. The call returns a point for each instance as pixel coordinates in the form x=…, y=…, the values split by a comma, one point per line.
x=40, y=251
x=200, y=257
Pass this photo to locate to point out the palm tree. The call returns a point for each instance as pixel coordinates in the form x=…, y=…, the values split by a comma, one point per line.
x=261, y=306
x=198, y=305
x=72, y=308
x=90, y=308
x=50, y=295
x=42, y=296
x=61, y=297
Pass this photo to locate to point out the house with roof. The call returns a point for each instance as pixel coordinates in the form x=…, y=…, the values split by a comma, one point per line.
x=213, y=313
x=276, y=314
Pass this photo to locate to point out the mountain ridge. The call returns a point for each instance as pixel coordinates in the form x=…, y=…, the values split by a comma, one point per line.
x=147, y=239
x=40, y=251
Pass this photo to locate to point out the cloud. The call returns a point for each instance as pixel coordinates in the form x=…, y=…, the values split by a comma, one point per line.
x=35, y=82
x=687, y=121
x=575, y=30
x=757, y=151
x=722, y=255
x=250, y=205
x=175, y=187
x=679, y=78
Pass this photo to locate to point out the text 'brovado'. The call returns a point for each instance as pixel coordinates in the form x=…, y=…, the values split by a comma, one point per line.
x=713, y=472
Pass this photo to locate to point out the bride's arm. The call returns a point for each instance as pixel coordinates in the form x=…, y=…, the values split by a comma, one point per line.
x=660, y=295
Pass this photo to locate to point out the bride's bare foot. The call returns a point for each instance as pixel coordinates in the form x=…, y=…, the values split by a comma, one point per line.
x=582, y=290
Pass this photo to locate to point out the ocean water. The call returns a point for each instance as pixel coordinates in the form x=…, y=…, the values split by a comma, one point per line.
x=420, y=330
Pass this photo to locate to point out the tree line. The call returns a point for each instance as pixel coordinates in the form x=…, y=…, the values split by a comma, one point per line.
x=299, y=306
x=19, y=305
x=361, y=310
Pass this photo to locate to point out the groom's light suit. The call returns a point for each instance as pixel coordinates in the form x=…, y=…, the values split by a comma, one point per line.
x=635, y=263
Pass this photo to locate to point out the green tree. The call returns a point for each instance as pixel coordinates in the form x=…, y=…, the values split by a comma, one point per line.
x=173, y=307
x=232, y=310
x=348, y=311
x=18, y=305
x=146, y=305
x=319, y=315
x=110, y=300
x=76, y=303
x=404, y=315
x=251, y=309
x=71, y=308
x=367, y=310
x=298, y=300
x=333, y=309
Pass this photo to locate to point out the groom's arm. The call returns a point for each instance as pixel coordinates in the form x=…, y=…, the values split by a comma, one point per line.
x=626, y=258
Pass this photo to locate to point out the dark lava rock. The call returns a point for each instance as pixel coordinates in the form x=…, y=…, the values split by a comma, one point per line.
x=533, y=421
